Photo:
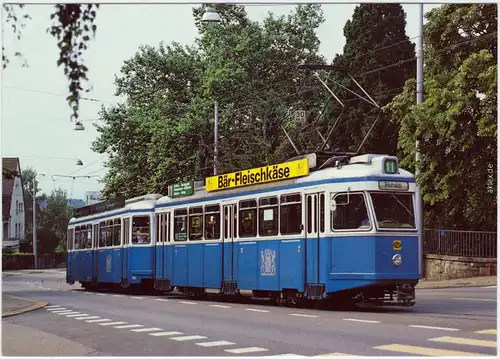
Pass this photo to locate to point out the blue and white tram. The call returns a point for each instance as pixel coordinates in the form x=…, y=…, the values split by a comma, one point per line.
x=349, y=230
x=112, y=244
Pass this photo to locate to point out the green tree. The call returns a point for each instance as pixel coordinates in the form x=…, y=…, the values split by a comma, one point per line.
x=28, y=175
x=248, y=67
x=73, y=27
x=457, y=122
x=54, y=215
x=380, y=56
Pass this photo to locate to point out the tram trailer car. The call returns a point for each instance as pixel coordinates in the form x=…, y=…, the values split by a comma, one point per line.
x=113, y=247
x=348, y=232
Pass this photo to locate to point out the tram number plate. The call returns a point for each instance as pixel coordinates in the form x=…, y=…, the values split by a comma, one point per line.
x=396, y=244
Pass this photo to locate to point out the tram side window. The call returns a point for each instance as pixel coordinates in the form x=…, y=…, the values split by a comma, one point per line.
x=268, y=216
x=109, y=233
x=165, y=233
x=350, y=212
x=322, y=212
x=248, y=218
x=291, y=214
x=117, y=229
x=70, y=239
x=77, y=237
x=140, y=230
x=212, y=222
x=102, y=234
x=88, y=237
x=196, y=223
x=159, y=219
x=180, y=225
x=126, y=231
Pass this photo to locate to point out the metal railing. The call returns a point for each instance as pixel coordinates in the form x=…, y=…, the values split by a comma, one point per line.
x=460, y=243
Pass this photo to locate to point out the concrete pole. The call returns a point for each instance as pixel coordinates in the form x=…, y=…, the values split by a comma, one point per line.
x=35, y=244
x=216, y=139
x=420, y=99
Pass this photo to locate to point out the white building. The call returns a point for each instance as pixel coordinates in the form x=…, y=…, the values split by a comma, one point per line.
x=13, y=207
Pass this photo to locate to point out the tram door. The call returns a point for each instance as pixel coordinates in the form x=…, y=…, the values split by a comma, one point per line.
x=95, y=254
x=162, y=221
x=125, y=250
x=314, y=226
x=229, y=225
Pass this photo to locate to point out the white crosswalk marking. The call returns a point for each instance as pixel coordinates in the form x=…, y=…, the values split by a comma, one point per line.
x=165, y=334
x=128, y=326
x=416, y=350
x=85, y=318
x=246, y=350
x=215, y=344
x=98, y=320
x=146, y=330
x=77, y=315
x=112, y=323
x=465, y=341
x=190, y=337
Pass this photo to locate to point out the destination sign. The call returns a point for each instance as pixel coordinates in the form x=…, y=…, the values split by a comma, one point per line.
x=254, y=176
x=393, y=186
x=181, y=189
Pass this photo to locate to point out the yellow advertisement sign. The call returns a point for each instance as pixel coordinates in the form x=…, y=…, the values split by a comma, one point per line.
x=254, y=176
x=396, y=244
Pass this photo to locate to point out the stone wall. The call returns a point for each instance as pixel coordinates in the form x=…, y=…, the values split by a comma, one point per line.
x=441, y=267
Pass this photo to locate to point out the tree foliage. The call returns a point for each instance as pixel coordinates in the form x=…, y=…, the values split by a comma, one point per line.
x=73, y=27
x=457, y=123
x=54, y=214
x=164, y=132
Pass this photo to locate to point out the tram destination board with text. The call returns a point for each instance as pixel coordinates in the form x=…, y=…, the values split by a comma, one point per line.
x=255, y=176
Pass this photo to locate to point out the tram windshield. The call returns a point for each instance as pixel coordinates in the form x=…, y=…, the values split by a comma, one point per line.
x=394, y=210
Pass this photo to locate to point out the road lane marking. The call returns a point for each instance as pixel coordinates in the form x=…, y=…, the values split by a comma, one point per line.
x=88, y=293
x=257, y=310
x=113, y=323
x=465, y=341
x=64, y=313
x=304, y=315
x=219, y=306
x=53, y=306
x=246, y=350
x=184, y=302
x=433, y=352
x=215, y=344
x=477, y=299
x=161, y=300
x=190, y=337
x=165, y=334
x=288, y=355
x=98, y=320
x=490, y=286
x=77, y=315
x=118, y=295
x=128, y=326
x=55, y=310
x=101, y=293
x=487, y=331
x=437, y=328
x=361, y=320
x=137, y=297
x=85, y=318
x=143, y=330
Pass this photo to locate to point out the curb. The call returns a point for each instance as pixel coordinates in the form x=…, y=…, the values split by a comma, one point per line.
x=36, y=305
x=458, y=285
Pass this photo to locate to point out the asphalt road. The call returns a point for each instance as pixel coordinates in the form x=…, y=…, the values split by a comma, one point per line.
x=444, y=322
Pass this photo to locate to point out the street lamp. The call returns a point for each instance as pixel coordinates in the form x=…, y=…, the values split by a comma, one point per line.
x=211, y=15
x=79, y=163
x=79, y=126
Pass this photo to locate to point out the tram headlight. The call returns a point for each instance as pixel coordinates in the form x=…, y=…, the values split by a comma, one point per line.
x=397, y=260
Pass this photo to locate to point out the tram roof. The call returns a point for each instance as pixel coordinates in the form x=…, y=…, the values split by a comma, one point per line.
x=141, y=205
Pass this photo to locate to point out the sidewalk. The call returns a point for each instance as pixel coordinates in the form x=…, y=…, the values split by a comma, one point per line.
x=462, y=282
x=15, y=339
x=13, y=305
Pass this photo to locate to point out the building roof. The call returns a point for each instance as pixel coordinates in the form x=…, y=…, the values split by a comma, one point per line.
x=11, y=164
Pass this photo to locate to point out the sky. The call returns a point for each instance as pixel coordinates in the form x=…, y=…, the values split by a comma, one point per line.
x=36, y=124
